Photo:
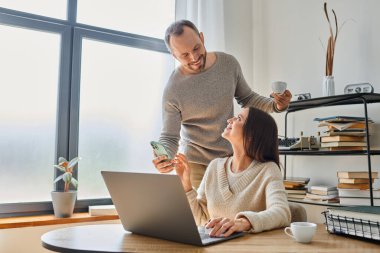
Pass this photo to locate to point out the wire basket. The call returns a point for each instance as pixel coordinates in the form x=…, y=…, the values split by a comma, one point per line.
x=356, y=228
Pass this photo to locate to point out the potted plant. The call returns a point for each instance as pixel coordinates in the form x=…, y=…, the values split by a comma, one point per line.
x=64, y=202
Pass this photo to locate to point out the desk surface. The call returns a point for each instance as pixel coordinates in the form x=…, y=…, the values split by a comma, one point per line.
x=113, y=238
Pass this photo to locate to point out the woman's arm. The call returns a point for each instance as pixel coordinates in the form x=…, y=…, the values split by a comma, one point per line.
x=197, y=200
x=277, y=213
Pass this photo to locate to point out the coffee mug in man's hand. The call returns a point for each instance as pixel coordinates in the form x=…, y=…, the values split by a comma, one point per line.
x=279, y=87
x=301, y=231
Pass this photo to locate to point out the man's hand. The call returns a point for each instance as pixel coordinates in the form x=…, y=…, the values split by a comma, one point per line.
x=182, y=169
x=225, y=226
x=282, y=100
x=162, y=165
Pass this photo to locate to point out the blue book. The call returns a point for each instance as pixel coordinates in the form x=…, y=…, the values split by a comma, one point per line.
x=341, y=119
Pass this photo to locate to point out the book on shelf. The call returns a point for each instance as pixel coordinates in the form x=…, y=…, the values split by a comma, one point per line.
x=293, y=183
x=344, y=126
x=296, y=196
x=371, y=213
x=343, y=144
x=102, y=210
x=349, y=201
x=356, y=174
x=323, y=188
x=342, y=138
x=296, y=183
x=294, y=187
x=320, y=197
x=296, y=191
x=355, y=180
x=353, y=186
x=358, y=193
x=339, y=118
x=347, y=132
x=323, y=192
x=304, y=180
x=343, y=148
x=322, y=201
x=359, y=125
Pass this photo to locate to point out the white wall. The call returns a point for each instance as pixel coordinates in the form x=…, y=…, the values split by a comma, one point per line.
x=238, y=24
x=286, y=43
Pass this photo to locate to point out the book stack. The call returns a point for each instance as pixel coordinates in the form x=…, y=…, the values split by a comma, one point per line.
x=353, y=188
x=343, y=132
x=359, y=221
x=323, y=193
x=102, y=210
x=296, y=187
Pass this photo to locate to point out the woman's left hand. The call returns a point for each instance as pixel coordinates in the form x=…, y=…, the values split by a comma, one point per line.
x=182, y=169
x=225, y=226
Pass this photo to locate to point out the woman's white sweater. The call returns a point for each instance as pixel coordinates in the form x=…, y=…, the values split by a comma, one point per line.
x=258, y=194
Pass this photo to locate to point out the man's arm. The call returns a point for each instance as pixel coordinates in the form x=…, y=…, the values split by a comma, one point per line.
x=247, y=98
x=171, y=119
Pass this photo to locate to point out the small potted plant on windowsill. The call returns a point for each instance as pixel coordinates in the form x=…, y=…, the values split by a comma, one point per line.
x=64, y=201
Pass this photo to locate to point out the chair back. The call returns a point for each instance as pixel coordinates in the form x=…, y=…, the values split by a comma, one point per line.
x=298, y=212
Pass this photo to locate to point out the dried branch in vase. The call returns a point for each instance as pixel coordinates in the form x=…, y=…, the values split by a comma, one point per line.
x=331, y=43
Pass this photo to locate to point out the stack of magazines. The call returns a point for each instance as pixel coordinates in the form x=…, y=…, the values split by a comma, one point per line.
x=361, y=222
x=344, y=132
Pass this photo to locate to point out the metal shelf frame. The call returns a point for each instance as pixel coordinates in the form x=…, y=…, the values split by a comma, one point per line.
x=362, y=98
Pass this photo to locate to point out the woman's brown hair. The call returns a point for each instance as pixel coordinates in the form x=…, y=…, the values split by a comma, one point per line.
x=260, y=138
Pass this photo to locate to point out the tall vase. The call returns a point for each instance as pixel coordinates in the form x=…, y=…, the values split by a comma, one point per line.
x=328, y=86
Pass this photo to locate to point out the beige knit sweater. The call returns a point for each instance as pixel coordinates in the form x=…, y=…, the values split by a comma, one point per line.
x=196, y=108
x=259, y=195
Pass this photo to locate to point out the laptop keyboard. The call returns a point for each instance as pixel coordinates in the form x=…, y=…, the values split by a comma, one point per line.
x=205, y=237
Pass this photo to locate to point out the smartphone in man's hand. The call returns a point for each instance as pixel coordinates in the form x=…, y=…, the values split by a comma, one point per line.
x=159, y=149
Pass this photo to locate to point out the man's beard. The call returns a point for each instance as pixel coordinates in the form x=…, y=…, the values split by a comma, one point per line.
x=202, y=68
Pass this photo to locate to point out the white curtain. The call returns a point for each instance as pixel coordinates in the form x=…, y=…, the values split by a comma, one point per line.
x=208, y=16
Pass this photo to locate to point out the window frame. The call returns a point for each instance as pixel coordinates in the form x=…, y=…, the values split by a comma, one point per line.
x=67, y=127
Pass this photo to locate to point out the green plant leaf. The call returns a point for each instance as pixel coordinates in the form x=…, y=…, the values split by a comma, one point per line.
x=58, y=178
x=67, y=177
x=60, y=168
x=74, y=182
x=73, y=162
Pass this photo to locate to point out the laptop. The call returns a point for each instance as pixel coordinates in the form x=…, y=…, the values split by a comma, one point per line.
x=156, y=205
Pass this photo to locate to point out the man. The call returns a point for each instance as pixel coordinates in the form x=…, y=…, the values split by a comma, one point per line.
x=198, y=100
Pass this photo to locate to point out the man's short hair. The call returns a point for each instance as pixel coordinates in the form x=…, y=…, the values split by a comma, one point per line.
x=176, y=29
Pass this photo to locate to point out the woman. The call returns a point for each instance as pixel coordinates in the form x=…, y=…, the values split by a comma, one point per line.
x=242, y=192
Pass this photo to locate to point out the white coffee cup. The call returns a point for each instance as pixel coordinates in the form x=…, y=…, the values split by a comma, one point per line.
x=301, y=231
x=279, y=87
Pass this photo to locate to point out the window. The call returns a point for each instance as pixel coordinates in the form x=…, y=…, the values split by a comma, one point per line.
x=120, y=111
x=28, y=105
x=145, y=17
x=49, y=8
x=71, y=89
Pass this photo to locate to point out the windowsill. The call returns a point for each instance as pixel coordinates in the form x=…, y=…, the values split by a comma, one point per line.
x=44, y=220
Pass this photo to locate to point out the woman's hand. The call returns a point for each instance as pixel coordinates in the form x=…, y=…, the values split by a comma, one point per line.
x=182, y=169
x=225, y=226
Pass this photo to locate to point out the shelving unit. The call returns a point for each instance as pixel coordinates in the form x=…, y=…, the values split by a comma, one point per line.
x=349, y=99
